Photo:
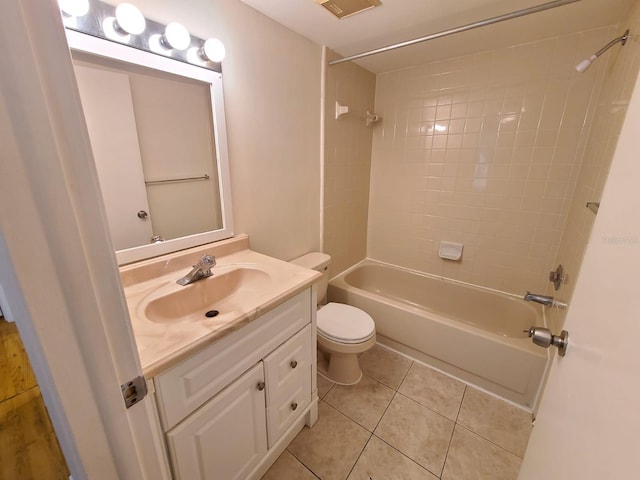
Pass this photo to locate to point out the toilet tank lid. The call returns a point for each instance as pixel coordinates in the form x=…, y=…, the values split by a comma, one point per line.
x=313, y=261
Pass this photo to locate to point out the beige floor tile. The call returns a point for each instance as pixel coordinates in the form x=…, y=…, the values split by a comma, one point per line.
x=496, y=420
x=324, y=386
x=288, y=468
x=385, y=366
x=416, y=431
x=330, y=449
x=471, y=457
x=433, y=389
x=364, y=402
x=380, y=461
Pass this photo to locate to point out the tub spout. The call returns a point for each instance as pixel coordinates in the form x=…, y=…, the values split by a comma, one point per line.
x=542, y=299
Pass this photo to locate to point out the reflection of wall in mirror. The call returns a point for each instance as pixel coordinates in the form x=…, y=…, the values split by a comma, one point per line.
x=175, y=138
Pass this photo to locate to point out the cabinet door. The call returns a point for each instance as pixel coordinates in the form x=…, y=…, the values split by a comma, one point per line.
x=227, y=437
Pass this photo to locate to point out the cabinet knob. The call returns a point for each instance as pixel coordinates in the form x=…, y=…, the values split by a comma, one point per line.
x=260, y=386
x=294, y=363
x=294, y=405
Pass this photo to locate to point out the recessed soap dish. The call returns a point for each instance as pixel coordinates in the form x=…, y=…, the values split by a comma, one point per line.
x=450, y=250
x=593, y=206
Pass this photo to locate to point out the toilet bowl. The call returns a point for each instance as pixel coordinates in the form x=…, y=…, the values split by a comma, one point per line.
x=343, y=331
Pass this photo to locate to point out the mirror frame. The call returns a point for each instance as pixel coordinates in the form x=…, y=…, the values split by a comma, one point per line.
x=122, y=52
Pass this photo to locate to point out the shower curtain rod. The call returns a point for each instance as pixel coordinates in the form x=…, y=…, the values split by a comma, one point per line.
x=463, y=28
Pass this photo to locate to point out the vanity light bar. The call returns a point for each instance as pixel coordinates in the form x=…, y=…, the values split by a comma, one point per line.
x=174, y=41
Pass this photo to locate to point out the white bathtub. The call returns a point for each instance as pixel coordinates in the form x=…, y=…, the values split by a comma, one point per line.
x=473, y=333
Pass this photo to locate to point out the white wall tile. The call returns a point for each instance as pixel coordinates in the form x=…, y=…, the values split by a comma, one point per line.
x=498, y=135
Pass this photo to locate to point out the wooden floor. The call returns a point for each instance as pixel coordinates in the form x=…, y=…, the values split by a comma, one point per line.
x=28, y=445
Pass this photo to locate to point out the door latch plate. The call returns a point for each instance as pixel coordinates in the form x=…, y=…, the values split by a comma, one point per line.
x=134, y=390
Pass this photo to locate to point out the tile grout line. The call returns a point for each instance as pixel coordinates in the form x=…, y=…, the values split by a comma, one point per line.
x=440, y=415
x=396, y=393
x=371, y=434
x=383, y=413
x=304, y=464
x=364, y=428
x=355, y=420
x=359, y=455
x=327, y=392
x=490, y=441
x=405, y=455
x=405, y=375
x=453, y=432
x=479, y=434
x=299, y=461
x=464, y=392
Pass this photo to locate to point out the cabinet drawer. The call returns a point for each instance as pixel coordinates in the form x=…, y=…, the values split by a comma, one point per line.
x=226, y=438
x=288, y=378
x=286, y=408
x=284, y=366
x=188, y=385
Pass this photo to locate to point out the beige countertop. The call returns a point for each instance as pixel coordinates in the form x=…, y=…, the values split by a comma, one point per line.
x=165, y=336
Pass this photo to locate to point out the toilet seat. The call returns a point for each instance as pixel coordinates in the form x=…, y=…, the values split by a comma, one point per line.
x=345, y=323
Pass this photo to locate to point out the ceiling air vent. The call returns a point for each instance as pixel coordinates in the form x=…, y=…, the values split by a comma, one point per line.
x=344, y=8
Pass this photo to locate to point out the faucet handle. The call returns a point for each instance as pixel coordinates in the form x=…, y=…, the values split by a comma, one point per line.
x=557, y=277
x=206, y=261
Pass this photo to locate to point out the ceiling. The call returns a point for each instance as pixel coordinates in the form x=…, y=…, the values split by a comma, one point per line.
x=400, y=20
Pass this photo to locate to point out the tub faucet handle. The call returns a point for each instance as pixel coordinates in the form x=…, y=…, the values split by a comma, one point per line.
x=544, y=338
x=557, y=277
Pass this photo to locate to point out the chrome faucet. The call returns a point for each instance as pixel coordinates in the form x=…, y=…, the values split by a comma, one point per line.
x=542, y=299
x=200, y=270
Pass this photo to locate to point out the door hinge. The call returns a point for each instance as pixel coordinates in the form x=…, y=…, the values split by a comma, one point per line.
x=134, y=390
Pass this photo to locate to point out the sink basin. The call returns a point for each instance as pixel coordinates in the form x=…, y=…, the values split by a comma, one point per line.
x=223, y=292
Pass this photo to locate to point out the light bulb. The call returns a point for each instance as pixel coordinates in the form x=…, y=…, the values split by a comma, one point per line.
x=113, y=32
x=213, y=50
x=156, y=45
x=176, y=36
x=74, y=8
x=129, y=19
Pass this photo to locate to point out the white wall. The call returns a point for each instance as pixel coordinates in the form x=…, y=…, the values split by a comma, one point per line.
x=272, y=99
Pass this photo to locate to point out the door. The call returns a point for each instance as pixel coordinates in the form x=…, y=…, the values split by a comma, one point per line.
x=58, y=275
x=588, y=423
x=108, y=110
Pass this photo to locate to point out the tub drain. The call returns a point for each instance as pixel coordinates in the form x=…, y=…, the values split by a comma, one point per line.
x=211, y=313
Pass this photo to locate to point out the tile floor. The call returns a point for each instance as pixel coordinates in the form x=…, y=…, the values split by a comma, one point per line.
x=406, y=421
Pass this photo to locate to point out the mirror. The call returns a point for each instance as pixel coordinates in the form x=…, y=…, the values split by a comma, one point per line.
x=158, y=136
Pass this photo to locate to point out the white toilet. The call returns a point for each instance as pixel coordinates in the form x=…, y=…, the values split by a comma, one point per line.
x=343, y=331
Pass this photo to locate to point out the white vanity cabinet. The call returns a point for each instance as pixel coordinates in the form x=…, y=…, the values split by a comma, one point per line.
x=231, y=409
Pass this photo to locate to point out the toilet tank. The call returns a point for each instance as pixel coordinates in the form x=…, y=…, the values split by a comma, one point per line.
x=320, y=263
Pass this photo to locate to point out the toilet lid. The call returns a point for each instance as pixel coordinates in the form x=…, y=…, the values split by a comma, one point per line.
x=345, y=323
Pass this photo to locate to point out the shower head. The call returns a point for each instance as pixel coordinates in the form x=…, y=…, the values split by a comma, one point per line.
x=586, y=63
